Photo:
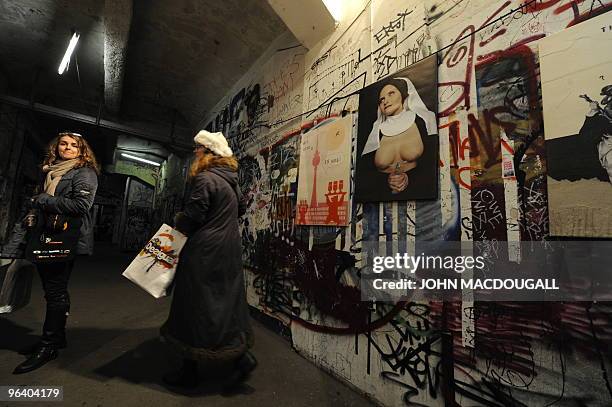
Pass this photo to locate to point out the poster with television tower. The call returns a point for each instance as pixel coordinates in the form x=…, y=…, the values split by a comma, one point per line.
x=324, y=174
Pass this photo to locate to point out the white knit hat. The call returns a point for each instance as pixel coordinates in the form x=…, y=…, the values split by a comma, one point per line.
x=215, y=142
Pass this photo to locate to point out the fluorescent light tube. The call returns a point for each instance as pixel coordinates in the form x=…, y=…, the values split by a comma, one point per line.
x=64, y=64
x=140, y=159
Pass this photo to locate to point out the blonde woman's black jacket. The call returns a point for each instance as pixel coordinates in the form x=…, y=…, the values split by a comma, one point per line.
x=74, y=196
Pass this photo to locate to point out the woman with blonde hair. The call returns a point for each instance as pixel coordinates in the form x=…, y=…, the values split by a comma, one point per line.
x=69, y=189
x=209, y=319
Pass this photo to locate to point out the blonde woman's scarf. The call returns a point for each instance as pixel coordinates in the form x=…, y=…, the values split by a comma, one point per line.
x=55, y=172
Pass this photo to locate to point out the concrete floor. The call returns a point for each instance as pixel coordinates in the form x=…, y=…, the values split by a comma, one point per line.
x=115, y=358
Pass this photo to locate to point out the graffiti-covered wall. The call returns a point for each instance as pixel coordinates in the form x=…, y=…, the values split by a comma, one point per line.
x=138, y=213
x=492, y=187
x=20, y=149
x=170, y=189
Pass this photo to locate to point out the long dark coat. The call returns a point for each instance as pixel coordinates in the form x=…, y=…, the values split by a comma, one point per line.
x=209, y=314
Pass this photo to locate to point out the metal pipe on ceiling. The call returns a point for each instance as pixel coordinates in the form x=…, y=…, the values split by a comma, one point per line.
x=107, y=124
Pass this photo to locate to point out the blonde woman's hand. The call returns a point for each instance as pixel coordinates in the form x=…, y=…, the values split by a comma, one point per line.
x=30, y=220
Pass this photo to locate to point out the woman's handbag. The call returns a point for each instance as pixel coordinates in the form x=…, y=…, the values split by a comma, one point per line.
x=15, y=284
x=154, y=267
x=53, y=238
x=18, y=238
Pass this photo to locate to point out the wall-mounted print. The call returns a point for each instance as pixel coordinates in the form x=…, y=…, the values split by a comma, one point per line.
x=325, y=174
x=397, y=136
x=576, y=69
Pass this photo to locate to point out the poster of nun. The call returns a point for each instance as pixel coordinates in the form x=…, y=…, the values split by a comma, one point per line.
x=576, y=69
x=397, y=136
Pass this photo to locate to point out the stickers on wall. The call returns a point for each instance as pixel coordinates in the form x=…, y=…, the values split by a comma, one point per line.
x=324, y=174
x=577, y=102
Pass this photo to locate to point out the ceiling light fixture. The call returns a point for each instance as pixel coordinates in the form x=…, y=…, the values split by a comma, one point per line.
x=132, y=157
x=63, y=67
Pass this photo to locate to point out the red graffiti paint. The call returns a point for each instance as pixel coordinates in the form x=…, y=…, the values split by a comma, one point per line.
x=493, y=37
x=532, y=6
x=535, y=6
x=351, y=330
x=453, y=138
x=568, y=6
x=457, y=53
x=578, y=18
x=525, y=56
x=453, y=57
x=507, y=146
x=461, y=182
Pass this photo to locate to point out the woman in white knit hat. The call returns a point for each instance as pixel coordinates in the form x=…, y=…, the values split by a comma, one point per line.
x=209, y=317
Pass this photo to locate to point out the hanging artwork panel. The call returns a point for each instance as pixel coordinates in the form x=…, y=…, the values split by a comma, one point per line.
x=324, y=174
x=397, y=136
x=576, y=68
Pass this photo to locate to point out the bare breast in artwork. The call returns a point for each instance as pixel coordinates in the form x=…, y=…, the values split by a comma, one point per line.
x=399, y=153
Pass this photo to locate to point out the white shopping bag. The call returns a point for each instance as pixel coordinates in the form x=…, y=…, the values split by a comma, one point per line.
x=154, y=267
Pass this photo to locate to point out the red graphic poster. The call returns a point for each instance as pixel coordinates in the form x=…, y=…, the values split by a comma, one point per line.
x=324, y=174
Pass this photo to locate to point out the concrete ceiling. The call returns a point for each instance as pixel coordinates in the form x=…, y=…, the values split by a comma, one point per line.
x=34, y=37
x=166, y=61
